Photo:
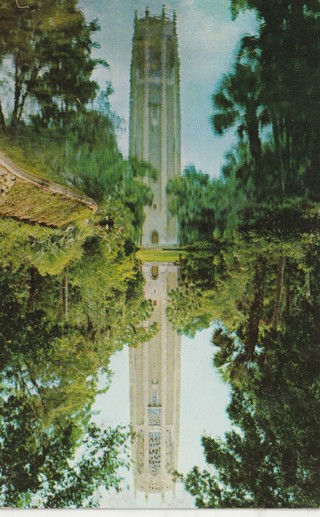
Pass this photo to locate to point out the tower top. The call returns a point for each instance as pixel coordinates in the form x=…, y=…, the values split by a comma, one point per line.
x=175, y=17
x=163, y=16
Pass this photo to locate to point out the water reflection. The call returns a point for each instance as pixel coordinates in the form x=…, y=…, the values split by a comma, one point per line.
x=158, y=380
x=267, y=349
x=57, y=334
x=265, y=298
x=155, y=389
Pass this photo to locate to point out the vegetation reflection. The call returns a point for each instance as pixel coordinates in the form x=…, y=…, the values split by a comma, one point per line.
x=60, y=323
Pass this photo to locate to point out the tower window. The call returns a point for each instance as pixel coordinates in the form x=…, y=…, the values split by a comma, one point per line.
x=154, y=452
x=154, y=416
x=155, y=62
x=155, y=238
x=155, y=114
x=154, y=398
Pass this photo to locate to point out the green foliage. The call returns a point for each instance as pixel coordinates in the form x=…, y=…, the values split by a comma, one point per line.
x=68, y=300
x=83, y=155
x=105, y=451
x=43, y=467
x=270, y=98
x=248, y=284
x=50, y=250
x=92, y=163
x=270, y=358
x=238, y=99
x=204, y=207
x=49, y=45
x=270, y=458
x=59, y=111
x=190, y=308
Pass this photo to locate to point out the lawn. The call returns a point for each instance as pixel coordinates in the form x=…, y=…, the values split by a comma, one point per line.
x=160, y=255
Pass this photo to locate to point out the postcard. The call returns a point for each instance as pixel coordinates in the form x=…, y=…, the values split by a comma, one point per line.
x=159, y=255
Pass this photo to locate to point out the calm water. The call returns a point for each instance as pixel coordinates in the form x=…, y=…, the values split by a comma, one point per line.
x=172, y=365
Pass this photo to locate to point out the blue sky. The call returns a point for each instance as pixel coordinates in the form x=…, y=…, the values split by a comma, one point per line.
x=208, y=40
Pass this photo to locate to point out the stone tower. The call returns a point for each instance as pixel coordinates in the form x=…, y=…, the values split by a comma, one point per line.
x=155, y=389
x=155, y=126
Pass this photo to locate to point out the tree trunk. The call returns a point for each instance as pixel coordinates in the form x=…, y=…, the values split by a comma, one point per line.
x=17, y=94
x=2, y=120
x=255, y=313
x=288, y=298
x=21, y=106
x=308, y=285
x=277, y=145
x=64, y=296
x=280, y=275
x=22, y=101
x=32, y=288
x=254, y=138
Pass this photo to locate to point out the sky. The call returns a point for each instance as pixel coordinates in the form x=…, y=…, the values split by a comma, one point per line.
x=208, y=41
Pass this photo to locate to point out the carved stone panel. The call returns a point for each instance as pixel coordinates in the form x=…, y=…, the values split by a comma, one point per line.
x=154, y=453
x=154, y=415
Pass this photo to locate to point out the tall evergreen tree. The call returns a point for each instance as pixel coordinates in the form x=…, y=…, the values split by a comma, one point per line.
x=49, y=45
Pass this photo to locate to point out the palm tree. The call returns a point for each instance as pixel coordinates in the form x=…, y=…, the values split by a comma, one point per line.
x=237, y=102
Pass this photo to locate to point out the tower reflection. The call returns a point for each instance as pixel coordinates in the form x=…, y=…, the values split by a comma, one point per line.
x=155, y=389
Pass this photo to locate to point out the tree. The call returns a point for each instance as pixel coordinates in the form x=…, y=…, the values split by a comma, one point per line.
x=49, y=44
x=205, y=207
x=286, y=98
x=270, y=458
x=58, y=108
x=238, y=99
x=41, y=467
x=51, y=454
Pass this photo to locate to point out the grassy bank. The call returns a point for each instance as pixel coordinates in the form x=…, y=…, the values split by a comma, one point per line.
x=27, y=202
x=35, y=155
x=160, y=255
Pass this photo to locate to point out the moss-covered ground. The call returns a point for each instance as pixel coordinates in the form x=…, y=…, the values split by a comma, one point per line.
x=28, y=202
